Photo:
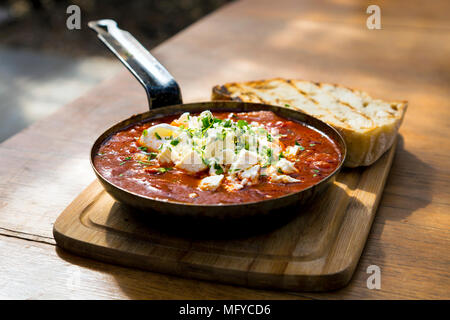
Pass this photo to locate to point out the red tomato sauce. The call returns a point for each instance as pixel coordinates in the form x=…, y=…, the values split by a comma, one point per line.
x=115, y=161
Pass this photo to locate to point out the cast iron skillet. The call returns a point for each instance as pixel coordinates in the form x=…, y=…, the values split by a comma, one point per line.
x=164, y=98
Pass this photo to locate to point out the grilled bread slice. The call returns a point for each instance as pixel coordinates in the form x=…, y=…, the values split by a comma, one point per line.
x=369, y=126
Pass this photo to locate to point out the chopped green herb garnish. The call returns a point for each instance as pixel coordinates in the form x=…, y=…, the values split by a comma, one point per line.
x=280, y=171
x=227, y=124
x=299, y=145
x=218, y=168
x=157, y=136
x=145, y=132
x=315, y=175
x=222, y=135
x=287, y=105
x=175, y=142
x=269, y=137
x=281, y=156
x=164, y=170
x=152, y=155
x=312, y=144
x=206, y=122
x=120, y=174
x=242, y=123
x=143, y=148
x=125, y=160
x=145, y=163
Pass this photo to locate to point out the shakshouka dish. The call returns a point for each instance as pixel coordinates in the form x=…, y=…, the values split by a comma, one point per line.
x=217, y=158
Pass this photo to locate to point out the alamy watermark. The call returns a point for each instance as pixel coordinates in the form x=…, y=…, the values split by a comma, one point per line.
x=73, y=22
x=374, y=280
x=374, y=20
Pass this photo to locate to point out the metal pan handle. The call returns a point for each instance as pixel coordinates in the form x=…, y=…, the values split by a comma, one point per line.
x=161, y=88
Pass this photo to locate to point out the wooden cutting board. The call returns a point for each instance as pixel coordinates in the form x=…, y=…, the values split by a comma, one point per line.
x=317, y=250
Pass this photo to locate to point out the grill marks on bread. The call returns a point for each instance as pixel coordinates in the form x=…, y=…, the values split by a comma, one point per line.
x=368, y=125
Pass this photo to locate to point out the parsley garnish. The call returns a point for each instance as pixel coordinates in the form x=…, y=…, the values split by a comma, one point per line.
x=299, y=145
x=242, y=123
x=157, y=136
x=125, y=160
x=205, y=122
x=218, y=168
x=145, y=163
x=175, y=142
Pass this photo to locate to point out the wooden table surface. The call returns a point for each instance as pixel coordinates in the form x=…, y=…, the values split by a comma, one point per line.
x=43, y=168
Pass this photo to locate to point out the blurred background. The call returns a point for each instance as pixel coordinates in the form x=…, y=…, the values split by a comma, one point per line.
x=38, y=52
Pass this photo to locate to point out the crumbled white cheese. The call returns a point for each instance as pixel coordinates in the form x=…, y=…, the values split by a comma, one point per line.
x=285, y=166
x=165, y=155
x=233, y=148
x=291, y=151
x=192, y=162
x=211, y=183
x=250, y=176
x=233, y=184
x=244, y=160
x=283, y=179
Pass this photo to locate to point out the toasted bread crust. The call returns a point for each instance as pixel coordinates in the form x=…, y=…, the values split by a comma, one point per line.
x=366, y=134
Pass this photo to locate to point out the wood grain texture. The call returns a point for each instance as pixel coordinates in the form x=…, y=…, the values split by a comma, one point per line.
x=47, y=272
x=43, y=168
x=316, y=251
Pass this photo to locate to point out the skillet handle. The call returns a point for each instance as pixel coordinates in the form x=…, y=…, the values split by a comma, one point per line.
x=161, y=88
